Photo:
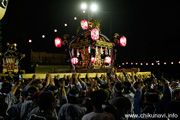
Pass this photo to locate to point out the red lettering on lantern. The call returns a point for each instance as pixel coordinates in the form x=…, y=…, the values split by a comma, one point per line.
x=95, y=34
x=58, y=42
x=93, y=59
x=123, y=41
x=74, y=60
x=107, y=60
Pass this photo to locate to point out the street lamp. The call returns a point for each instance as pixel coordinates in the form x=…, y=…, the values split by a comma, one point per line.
x=94, y=7
x=30, y=41
x=83, y=6
x=43, y=36
x=55, y=30
x=75, y=18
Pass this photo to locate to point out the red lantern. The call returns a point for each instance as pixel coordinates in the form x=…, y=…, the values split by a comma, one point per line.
x=95, y=34
x=58, y=42
x=84, y=24
x=107, y=60
x=93, y=59
x=74, y=60
x=123, y=41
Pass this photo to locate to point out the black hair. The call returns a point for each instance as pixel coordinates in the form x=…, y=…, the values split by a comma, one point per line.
x=44, y=101
x=3, y=106
x=152, y=95
x=6, y=87
x=72, y=96
x=87, y=103
x=53, y=89
x=30, y=92
x=127, y=85
x=118, y=86
x=98, y=98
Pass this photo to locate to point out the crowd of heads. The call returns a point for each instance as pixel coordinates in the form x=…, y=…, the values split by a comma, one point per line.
x=75, y=98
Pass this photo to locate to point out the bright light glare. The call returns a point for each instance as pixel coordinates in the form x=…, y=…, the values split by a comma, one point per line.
x=75, y=18
x=30, y=41
x=65, y=24
x=43, y=36
x=94, y=7
x=55, y=30
x=83, y=6
x=84, y=11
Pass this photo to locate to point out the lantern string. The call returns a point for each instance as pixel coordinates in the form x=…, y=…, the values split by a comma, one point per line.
x=151, y=63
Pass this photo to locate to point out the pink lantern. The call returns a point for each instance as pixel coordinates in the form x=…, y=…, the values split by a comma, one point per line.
x=74, y=60
x=107, y=60
x=93, y=59
x=123, y=41
x=95, y=34
x=58, y=42
x=84, y=24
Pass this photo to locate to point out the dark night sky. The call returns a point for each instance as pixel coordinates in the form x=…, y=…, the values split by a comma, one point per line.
x=151, y=27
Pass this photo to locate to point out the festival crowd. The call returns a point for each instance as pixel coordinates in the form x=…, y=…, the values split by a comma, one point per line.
x=108, y=97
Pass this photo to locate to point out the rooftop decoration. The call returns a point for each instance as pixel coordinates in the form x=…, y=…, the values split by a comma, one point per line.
x=91, y=47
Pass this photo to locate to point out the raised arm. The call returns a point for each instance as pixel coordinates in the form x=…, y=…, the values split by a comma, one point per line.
x=32, y=80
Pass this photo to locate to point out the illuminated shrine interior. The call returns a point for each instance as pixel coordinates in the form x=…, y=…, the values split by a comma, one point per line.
x=88, y=53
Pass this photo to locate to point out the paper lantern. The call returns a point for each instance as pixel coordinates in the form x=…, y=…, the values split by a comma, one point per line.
x=84, y=24
x=123, y=41
x=107, y=60
x=58, y=42
x=74, y=60
x=93, y=59
x=95, y=34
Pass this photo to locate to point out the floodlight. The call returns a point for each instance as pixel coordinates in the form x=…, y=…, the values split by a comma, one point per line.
x=83, y=6
x=94, y=7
